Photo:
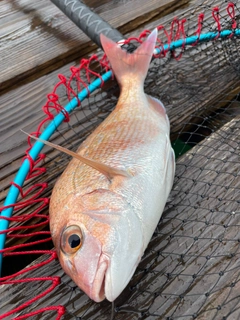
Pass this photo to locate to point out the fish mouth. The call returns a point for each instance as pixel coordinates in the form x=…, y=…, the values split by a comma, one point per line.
x=98, y=288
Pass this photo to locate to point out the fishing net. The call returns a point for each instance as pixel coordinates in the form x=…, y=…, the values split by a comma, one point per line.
x=191, y=268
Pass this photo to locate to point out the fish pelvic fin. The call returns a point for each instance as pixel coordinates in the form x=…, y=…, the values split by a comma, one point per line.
x=124, y=63
x=106, y=170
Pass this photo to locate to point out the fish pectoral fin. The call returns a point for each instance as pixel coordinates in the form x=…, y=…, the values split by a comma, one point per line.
x=108, y=171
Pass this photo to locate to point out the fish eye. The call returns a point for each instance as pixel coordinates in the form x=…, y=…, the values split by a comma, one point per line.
x=71, y=239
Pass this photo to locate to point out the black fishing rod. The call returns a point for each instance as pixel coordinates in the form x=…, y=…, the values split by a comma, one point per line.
x=88, y=21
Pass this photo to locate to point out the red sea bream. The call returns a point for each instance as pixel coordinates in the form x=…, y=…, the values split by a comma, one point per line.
x=107, y=203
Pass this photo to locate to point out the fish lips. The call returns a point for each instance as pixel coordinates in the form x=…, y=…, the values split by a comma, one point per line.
x=97, y=290
x=88, y=268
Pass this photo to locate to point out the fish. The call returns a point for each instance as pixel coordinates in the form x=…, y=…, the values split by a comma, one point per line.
x=105, y=206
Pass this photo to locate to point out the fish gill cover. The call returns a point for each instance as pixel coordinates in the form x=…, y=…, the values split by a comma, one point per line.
x=191, y=267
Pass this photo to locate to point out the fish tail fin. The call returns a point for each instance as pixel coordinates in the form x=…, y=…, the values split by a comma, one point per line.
x=126, y=64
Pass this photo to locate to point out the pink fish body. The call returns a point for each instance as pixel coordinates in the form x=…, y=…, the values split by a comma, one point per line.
x=103, y=212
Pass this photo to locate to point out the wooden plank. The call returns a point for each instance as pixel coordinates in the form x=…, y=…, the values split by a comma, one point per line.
x=184, y=95
x=38, y=38
x=21, y=108
x=203, y=80
x=188, y=301
x=191, y=266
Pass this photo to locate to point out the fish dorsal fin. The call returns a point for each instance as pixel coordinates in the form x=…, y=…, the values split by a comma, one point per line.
x=108, y=171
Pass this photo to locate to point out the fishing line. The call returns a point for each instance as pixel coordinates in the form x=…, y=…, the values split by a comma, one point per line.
x=112, y=312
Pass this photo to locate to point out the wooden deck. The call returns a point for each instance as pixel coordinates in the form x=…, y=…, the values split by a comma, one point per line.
x=191, y=267
x=194, y=252
x=27, y=74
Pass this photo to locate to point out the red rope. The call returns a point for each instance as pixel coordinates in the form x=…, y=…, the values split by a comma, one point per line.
x=55, y=282
x=232, y=15
x=24, y=245
x=53, y=256
x=177, y=33
x=216, y=17
x=60, y=312
x=199, y=28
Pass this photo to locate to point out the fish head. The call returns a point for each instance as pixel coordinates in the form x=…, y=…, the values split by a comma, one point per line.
x=99, y=242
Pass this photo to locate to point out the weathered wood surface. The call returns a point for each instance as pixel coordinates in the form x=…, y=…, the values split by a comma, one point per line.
x=36, y=37
x=186, y=92
x=191, y=266
x=21, y=107
x=177, y=84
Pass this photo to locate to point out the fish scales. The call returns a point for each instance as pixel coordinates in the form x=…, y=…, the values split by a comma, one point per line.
x=106, y=205
x=117, y=147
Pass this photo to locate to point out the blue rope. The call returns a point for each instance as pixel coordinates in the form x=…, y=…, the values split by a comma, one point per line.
x=203, y=38
x=55, y=123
